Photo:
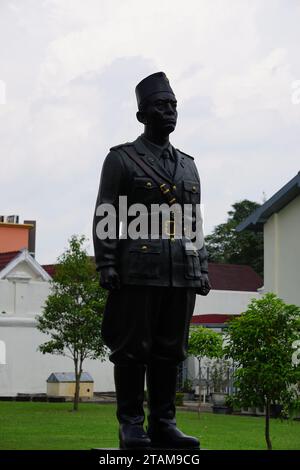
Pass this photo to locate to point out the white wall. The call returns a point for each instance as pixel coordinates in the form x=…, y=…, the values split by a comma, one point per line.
x=27, y=370
x=224, y=301
x=282, y=253
x=22, y=299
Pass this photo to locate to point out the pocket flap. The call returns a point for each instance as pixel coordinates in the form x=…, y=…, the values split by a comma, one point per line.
x=143, y=182
x=192, y=186
x=140, y=246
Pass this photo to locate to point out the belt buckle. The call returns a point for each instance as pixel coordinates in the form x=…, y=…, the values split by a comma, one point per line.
x=170, y=233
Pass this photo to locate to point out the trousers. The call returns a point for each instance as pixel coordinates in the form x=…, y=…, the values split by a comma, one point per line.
x=146, y=324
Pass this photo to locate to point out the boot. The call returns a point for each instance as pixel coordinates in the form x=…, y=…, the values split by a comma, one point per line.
x=162, y=430
x=129, y=383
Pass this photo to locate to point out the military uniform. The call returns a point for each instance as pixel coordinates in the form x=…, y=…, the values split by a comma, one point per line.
x=146, y=261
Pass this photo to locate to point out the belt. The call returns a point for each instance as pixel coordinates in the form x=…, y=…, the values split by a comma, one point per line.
x=168, y=228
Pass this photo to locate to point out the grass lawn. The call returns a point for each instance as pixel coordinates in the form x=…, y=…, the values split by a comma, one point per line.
x=52, y=426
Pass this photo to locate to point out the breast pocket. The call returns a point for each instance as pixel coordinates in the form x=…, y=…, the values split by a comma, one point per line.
x=191, y=192
x=144, y=259
x=144, y=190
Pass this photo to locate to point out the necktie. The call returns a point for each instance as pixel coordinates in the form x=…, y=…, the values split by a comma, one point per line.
x=167, y=161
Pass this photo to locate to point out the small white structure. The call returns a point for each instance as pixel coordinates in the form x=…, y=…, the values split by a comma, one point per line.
x=62, y=384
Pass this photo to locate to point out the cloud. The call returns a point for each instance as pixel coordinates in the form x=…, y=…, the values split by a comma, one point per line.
x=71, y=68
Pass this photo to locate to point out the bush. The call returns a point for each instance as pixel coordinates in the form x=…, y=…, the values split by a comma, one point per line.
x=230, y=403
x=179, y=399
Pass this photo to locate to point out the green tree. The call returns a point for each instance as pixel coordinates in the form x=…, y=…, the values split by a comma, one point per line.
x=226, y=245
x=72, y=314
x=204, y=342
x=260, y=342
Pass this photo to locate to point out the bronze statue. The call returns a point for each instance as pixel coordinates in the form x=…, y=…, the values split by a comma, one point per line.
x=152, y=281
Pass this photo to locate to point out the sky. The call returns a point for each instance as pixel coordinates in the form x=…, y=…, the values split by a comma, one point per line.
x=68, y=70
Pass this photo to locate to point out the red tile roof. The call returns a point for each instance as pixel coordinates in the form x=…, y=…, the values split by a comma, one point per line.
x=222, y=276
x=49, y=268
x=6, y=258
x=211, y=318
x=237, y=277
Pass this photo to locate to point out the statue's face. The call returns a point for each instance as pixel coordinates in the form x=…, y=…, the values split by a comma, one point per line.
x=161, y=113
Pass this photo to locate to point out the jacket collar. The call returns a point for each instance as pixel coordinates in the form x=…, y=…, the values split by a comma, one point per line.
x=147, y=156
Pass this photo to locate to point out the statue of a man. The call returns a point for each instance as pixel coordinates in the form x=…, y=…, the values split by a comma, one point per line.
x=152, y=281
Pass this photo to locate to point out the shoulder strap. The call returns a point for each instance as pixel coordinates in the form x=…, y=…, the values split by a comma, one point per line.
x=117, y=147
x=186, y=154
x=164, y=187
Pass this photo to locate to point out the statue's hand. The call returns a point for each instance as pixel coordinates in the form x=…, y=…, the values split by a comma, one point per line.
x=205, y=285
x=109, y=278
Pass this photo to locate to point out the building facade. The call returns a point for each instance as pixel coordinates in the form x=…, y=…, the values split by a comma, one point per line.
x=24, y=288
x=279, y=219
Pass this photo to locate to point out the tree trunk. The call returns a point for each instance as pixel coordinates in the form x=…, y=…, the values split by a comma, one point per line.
x=267, y=426
x=77, y=385
x=199, y=403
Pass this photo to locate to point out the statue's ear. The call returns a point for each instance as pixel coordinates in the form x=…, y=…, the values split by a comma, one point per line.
x=141, y=117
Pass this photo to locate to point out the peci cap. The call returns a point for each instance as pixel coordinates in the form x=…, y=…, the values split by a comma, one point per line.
x=155, y=83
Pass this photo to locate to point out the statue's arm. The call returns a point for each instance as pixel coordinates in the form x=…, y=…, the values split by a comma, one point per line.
x=203, y=256
x=112, y=181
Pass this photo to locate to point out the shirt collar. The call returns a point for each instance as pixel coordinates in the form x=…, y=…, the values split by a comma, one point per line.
x=157, y=150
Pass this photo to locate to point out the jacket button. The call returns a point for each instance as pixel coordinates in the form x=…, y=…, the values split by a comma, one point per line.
x=194, y=188
x=174, y=186
x=149, y=184
x=144, y=247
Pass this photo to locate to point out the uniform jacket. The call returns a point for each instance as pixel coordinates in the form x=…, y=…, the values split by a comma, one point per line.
x=148, y=261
